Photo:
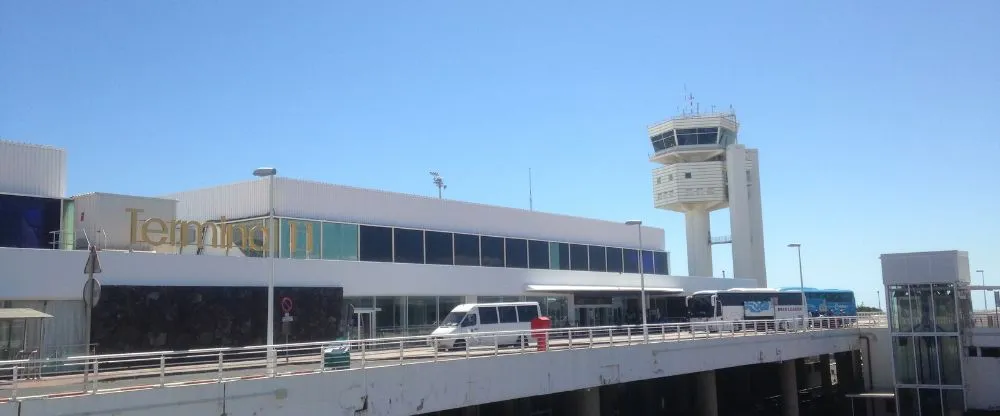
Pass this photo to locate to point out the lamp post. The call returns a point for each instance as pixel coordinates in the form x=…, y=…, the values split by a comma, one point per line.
x=272, y=229
x=642, y=282
x=878, y=294
x=982, y=274
x=802, y=285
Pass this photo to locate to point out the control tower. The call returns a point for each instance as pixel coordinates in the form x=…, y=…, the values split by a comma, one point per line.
x=705, y=169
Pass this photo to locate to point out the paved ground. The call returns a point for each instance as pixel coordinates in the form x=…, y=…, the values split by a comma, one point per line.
x=209, y=370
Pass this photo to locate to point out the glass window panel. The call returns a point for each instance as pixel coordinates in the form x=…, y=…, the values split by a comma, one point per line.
x=631, y=260
x=614, y=257
x=904, y=360
x=647, y=261
x=951, y=366
x=927, y=360
x=538, y=254
x=598, y=258
x=516, y=251
x=906, y=399
x=526, y=313
x=300, y=239
x=249, y=237
x=899, y=303
x=492, y=248
x=389, y=319
x=439, y=248
x=375, y=243
x=488, y=315
x=930, y=402
x=508, y=314
x=661, y=263
x=340, y=241
x=467, y=250
x=954, y=402
x=554, y=256
x=422, y=314
x=446, y=304
x=577, y=257
x=563, y=256
x=944, y=308
x=28, y=222
x=409, y=245
x=922, y=308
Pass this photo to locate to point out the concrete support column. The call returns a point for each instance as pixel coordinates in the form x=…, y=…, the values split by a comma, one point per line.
x=587, y=402
x=699, y=244
x=789, y=389
x=708, y=402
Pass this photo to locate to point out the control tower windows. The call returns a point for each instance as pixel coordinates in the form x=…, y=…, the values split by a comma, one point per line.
x=690, y=137
x=492, y=251
x=663, y=141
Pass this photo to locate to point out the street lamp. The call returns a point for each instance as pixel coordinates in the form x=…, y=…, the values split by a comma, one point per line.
x=272, y=229
x=802, y=285
x=642, y=282
x=983, y=275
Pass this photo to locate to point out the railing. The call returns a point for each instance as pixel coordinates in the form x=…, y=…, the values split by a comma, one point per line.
x=135, y=371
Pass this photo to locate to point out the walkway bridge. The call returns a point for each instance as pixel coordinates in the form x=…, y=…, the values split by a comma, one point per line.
x=403, y=376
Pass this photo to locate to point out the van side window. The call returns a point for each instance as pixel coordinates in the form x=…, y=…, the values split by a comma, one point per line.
x=525, y=313
x=470, y=320
x=488, y=316
x=508, y=315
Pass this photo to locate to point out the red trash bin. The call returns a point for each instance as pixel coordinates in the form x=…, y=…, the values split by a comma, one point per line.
x=539, y=326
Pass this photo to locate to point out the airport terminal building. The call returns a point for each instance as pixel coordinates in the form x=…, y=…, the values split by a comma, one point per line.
x=191, y=269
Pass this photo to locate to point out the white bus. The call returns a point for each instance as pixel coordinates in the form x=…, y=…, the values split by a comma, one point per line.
x=461, y=327
x=746, y=305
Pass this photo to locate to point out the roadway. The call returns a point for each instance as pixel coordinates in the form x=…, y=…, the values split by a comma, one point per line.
x=210, y=370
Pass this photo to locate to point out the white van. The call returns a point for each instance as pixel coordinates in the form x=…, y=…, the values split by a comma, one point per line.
x=461, y=328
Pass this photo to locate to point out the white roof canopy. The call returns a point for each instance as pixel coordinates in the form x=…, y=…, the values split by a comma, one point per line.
x=21, y=313
x=576, y=289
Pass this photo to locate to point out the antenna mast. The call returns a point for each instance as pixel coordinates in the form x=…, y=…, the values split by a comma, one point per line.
x=439, y=182
x=531, y=199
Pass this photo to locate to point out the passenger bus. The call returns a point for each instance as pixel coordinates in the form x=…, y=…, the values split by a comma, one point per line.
x=828, y=302
x=746, y=305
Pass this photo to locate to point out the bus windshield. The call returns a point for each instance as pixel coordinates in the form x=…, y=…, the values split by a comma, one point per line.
x=701, y=307
x=453, y=319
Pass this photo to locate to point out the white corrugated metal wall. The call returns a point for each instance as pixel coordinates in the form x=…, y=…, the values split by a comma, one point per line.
x=30, y=169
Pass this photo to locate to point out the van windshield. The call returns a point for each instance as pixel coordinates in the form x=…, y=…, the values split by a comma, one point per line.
x=453, y=319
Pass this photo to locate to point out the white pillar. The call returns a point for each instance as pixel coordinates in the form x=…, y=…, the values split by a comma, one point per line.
x=739, y=214
x=789, y=389
x=470, y=298
x=708, y=401
x=699, y=244
x=756, y=217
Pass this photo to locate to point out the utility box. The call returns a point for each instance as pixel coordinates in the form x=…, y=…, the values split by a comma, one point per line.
x=539, y=331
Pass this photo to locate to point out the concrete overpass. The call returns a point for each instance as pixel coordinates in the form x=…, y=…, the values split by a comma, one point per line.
x=401, y=376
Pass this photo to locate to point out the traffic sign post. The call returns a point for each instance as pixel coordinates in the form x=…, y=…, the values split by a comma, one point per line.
x=91, y=294
x=286, y=321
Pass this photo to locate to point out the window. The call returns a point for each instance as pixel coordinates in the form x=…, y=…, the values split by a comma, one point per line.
x=647, y=261
x=525, y=313
x=559, y=256
x=659, y=180
x=538, y=254
x=375, y=243
x=598, y=259
x=790, y=298
x=630, y=259
x=578, y=257
x=516, y=250
x=409, y=245
x=661, y=264
x=438, y=247
x=508, y=314
x=467, y=250
x=340, y=241
x=687, y=175
x=300, y=239
x=26, y=222
x=614, y=257
x=492, y=249
x=488, y=315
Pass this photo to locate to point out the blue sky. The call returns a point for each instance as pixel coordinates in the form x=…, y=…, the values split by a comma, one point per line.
x=876, y=121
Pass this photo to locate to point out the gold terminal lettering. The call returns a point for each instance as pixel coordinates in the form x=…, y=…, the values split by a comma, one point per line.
x=157, y=231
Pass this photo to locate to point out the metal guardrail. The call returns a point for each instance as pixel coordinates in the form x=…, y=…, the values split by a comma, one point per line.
x=136, y=371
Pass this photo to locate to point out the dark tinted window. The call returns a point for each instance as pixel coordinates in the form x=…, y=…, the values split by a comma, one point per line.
x=28, y=222
x=789, y=298
x=563, y=256
x=508, y=314
x=466, y=250
x=660, y=263
x=492, y=248
x=488, y=315
x=630, y=258
x=517, y=253
x=538, y=254
x=375, y=243
x=614, y=259
x=598, y=262
x=526, y=313
x=647, y=261
x=439, y=247
x=577, y=257
x=409, y=245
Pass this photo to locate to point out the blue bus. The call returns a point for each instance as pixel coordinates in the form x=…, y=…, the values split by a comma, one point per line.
x=828, y=302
